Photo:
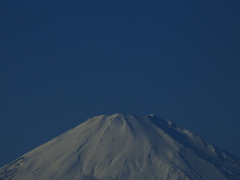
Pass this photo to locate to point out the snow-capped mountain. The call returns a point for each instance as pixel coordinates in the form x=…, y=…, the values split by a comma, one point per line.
x=125, y=147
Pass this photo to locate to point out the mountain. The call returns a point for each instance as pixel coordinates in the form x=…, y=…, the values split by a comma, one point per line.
x=125, y=147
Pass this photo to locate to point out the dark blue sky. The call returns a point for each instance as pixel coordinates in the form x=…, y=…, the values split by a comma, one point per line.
x=62, y=62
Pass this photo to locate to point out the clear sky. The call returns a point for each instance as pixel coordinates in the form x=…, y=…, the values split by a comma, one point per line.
x=64, y=61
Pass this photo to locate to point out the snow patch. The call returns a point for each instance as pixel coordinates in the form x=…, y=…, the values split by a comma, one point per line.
x=125, y=147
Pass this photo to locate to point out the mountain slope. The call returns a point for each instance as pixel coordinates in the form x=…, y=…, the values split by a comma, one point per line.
x=121, y=147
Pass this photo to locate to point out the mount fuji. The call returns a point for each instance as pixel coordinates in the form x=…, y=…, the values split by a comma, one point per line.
x=125, y=147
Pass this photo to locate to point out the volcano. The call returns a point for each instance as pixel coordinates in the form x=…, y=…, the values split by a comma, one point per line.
x=125, y=147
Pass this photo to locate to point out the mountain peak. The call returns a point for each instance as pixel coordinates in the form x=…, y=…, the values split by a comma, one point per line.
x=125, y=146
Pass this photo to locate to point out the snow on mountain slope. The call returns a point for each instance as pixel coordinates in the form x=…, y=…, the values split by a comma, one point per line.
x=122, y=147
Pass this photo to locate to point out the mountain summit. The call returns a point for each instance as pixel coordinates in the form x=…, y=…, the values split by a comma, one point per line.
x=125, y=147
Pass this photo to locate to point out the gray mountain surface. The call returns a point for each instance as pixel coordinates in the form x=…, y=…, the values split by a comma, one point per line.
x=125, y=147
